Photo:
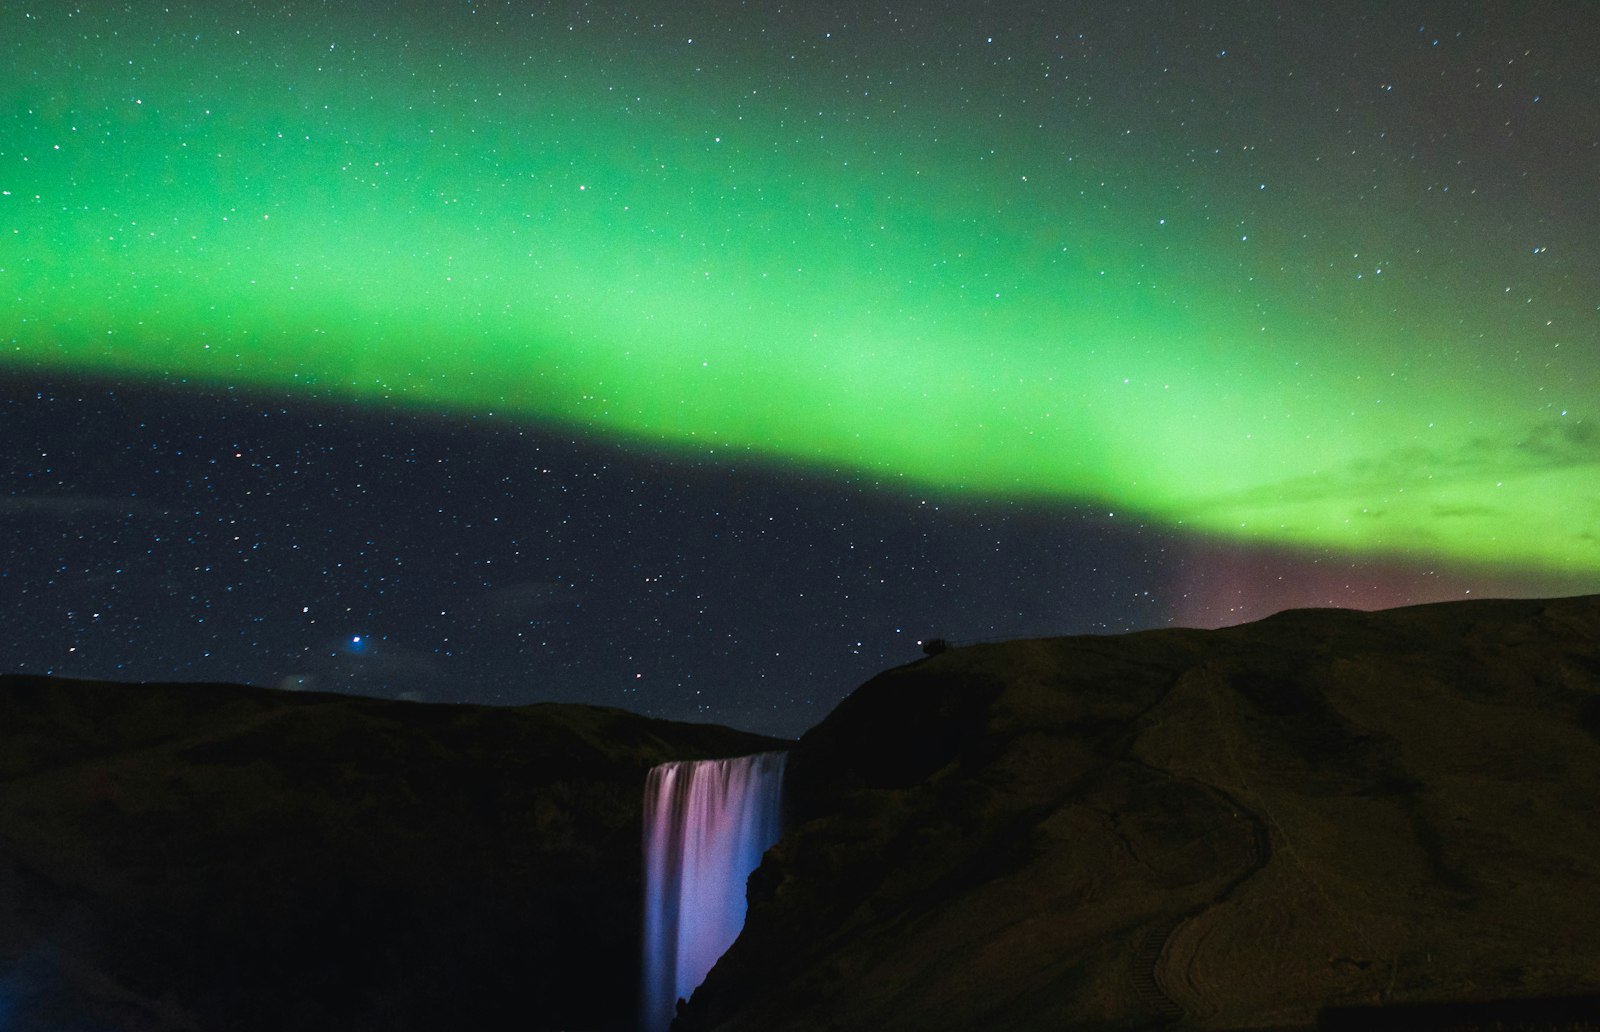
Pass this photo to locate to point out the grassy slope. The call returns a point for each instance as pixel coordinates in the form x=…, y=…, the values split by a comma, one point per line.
x=1227, y=829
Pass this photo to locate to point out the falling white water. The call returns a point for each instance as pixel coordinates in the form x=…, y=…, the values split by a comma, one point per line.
x=706, y=825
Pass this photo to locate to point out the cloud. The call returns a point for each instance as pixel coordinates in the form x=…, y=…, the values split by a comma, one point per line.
x=524, y=599
x=1551, y=445
x=513, y=607
x=1561, y=442
x=374, y=663
x=77, y=507
x=1447, y=512
x=1528, y=494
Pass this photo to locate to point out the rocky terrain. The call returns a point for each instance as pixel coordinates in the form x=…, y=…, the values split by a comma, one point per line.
x=210, y=857
x=1202, y=829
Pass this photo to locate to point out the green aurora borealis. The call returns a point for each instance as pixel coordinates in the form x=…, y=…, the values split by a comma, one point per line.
x=1349, y=304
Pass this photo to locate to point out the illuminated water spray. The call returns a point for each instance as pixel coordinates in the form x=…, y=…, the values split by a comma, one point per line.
x=706, y=825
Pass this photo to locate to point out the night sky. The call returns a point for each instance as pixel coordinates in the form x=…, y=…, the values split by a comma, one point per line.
x=704, y=358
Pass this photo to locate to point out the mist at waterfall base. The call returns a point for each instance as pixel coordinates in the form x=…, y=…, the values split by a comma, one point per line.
x=706, y=825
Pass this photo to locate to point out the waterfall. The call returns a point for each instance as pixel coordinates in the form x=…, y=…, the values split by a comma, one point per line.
x=706, y=824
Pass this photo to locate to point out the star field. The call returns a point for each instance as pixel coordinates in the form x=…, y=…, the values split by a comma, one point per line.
x=701, y=358
x=453, y=560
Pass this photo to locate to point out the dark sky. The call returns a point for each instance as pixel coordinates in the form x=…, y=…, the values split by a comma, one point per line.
x=192, y=535
x=703, y=358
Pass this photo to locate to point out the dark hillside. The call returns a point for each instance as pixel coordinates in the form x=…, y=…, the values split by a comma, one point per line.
x=1221, y=829
x=216, y=856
